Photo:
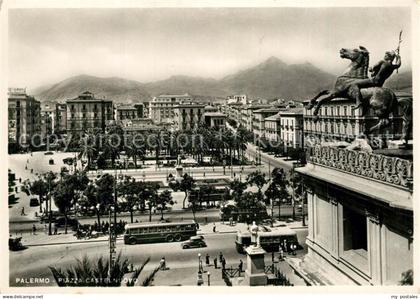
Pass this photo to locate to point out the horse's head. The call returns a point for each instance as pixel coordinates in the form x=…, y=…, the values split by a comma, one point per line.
x=359, y=61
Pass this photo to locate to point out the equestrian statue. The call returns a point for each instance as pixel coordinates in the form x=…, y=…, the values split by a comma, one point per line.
x=368, y=92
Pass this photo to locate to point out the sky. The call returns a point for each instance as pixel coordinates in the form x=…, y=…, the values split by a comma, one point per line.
x=49, y=45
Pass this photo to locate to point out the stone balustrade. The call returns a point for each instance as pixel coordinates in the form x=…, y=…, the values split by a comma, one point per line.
x=390, y=170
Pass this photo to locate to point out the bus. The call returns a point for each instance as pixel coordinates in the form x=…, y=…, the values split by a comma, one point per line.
x=135, y=233
x=271, y=238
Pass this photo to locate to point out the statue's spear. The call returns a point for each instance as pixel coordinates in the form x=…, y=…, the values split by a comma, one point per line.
x=399, y=43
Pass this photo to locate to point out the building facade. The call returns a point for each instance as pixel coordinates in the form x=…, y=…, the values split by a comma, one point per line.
x=272, y=128
x=339, y=121
x=60, y=118
x=258, y=120
x=291, y=125
x=86, y=112
x=188, y=116
x=24, y=117
x=360, y=217
x=237, y=98
x=214, y=120
x=123, y=112
x=162, y=108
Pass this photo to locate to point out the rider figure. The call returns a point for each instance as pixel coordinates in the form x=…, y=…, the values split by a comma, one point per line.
x=380, y=72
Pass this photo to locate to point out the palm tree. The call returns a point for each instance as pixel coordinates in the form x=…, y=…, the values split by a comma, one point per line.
x=87, y=149
x=88, y=272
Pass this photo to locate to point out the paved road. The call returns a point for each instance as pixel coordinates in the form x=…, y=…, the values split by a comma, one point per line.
x=34, y=261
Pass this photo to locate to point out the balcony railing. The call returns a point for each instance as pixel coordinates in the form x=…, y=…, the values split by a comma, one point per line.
x=391, y=170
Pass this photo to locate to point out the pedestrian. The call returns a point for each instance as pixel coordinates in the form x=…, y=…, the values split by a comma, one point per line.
x=55, y=229
x=214, y=227
x=162, y=263
x=215, y=263
x=207, y=260
x=231, y=221
x=33, y=229
x=223, y=264
x=22, y=213
x=220, y=257
x=281, y=258
x=205, y=219
x=240, y=266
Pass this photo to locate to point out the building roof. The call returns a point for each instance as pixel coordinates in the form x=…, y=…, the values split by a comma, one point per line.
x=292, y=111
x=267, y=110
x=126, y=107
x=188, y=105
x=273, y=117
x=215, y=114
x=87, y=97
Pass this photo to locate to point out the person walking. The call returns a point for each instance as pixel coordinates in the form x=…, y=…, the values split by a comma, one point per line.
x=207, y=260
x=214, y=227
x=221, y=257
x=22, y=213
x=215, y=263
x=55, y=229
x=162, y=264
x=223, y=264
x=33, y=229
x=240, y=266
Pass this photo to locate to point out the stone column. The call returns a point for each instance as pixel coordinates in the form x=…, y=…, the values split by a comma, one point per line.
x=254, y=273
x=374, y=247
x=335, y=229
x=311, y=207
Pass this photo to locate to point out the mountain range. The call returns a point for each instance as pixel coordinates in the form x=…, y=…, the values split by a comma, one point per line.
x=270, y=79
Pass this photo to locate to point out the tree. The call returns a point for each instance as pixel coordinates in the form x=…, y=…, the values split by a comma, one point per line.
x=186, y=184
x=95, y=273
x=295, y=182
x=105, y=192
x=64, y=195
x=164, y=199
x=258, y=179
x=277, y=190
x=238, y=189
x=87, y=149
x=40, y=188
x=131, y=191
x=149, y=195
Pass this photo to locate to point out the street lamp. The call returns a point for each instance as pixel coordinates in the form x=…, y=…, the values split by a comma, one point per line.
x=200, y=271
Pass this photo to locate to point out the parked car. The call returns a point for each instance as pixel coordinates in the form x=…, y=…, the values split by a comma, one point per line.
x=194, y=242
x=34, y=202
x=49, y=153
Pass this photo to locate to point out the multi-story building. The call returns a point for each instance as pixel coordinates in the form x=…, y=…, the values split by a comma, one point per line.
x=48, y=119
x=146, y=109
x=128, y=112
x=258, y=120
x=24, y=117
x=272, y=128
x=188, y=116
x=60, y=118
x=339, y=121
x=86, y=112
x=291, y=126
x=360, y=216
x=247, y=115
x=237, y=98
x=214, y=120
x=162, y=108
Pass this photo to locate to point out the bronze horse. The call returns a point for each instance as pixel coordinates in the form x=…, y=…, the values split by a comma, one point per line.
x=382, y=100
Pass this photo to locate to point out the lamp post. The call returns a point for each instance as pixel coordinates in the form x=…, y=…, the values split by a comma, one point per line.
x=200, y=271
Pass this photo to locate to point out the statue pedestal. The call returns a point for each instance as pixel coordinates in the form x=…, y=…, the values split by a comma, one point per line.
x=254, y=273
x=179, y=172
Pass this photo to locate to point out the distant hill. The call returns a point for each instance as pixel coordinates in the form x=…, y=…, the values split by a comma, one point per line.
x=117, y=89
x=268, y=80
x=401, y=82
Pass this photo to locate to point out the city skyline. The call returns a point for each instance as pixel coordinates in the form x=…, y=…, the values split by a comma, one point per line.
x=142, y=45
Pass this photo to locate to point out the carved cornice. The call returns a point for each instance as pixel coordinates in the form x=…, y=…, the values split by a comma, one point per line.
x=389, y=170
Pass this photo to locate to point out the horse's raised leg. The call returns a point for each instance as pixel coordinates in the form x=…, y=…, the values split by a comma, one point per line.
x=323, y=101
x=313, y=101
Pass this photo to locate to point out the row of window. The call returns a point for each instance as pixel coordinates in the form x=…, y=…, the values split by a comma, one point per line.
x=160, y=229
